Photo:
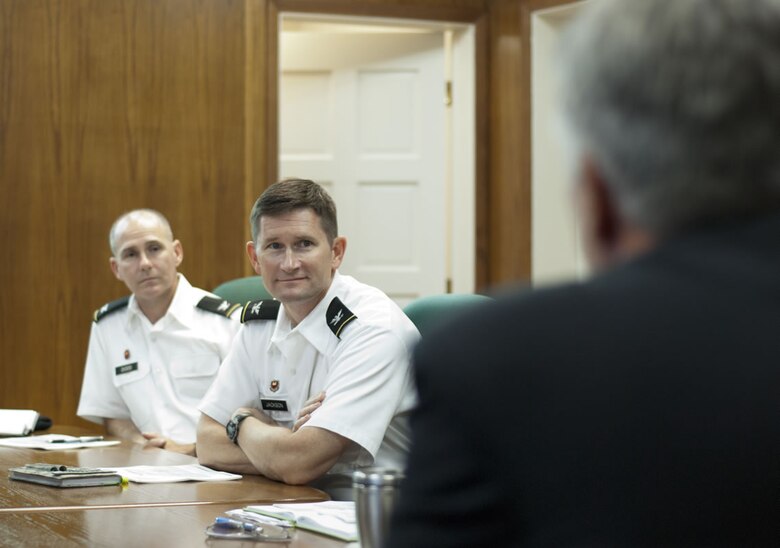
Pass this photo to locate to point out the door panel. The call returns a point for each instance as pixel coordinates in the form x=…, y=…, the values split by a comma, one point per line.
x=364, y=115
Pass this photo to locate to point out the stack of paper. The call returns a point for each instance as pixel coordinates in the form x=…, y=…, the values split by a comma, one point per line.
x=333, y=518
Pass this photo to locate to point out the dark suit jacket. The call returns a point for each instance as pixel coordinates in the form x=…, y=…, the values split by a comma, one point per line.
x=641, y=408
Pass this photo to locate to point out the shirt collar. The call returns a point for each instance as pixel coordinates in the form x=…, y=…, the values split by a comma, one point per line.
x=311, y=327
x=181, y=308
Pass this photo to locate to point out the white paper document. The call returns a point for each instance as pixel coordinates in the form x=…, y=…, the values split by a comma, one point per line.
x=56, y=442
x=173, y=474
x=17, y=422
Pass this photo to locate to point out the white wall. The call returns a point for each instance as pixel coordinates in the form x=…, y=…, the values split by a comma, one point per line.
x=556, y=250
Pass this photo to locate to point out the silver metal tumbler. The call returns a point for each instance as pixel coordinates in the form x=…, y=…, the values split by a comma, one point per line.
x=376, y=492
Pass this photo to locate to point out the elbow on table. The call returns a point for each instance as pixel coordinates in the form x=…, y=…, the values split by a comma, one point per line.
x=205, y=458
x=293, y=476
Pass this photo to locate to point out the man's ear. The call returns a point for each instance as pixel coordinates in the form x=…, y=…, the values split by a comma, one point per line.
x=114, y=268
x=600, y=217
x=178, y=251
x=338, y=249
x=252, y=252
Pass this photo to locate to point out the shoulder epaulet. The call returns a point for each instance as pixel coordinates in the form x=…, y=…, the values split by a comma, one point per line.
x=217, y=306
x=338, y=316
x=266, y=309
x=108, y=308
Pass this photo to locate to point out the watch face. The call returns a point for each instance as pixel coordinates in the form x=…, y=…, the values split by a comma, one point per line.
x=231, y=429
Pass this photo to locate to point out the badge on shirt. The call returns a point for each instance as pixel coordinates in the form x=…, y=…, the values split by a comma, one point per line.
x=273, y=405
x=274, y=385
x=127, y=368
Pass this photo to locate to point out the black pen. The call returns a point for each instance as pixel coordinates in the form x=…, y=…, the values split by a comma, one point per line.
x=81, y=439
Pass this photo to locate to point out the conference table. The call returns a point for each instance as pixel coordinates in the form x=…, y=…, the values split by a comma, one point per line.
x=149, y=515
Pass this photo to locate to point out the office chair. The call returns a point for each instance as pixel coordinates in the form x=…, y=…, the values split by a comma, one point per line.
x=431, y=311
x=242, y=290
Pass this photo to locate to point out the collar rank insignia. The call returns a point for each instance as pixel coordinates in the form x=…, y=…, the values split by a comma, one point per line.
x=338, y=316
x=274, y=385
x=217, y=306
x=108, y=308
x=266, y=309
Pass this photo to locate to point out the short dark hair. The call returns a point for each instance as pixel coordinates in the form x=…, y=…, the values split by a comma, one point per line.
x=292, y=194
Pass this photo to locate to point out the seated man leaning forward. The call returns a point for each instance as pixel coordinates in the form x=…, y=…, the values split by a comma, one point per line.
x=153, y=355
x=318, y=381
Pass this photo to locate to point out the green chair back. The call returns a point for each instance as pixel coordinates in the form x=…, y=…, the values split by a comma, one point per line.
x=242, y=290
x=430, y=311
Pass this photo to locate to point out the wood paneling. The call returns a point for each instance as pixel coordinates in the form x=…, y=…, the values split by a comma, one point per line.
x=108, y=105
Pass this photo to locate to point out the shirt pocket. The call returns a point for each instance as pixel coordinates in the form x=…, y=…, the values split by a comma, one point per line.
x=277, y=406
x=133, y=382
x=126, y=375
x=192, y=376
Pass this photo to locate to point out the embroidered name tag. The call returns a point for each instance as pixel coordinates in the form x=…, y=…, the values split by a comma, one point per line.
x=127, y=368
x=274, y=405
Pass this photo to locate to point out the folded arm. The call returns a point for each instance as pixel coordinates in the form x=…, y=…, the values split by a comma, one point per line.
x=276, y=452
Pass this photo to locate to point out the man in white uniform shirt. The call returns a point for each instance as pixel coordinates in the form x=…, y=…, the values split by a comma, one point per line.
x=153, y=355
x=317, y=382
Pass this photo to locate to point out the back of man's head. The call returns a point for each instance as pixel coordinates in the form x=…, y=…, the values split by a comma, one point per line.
x=677, y=102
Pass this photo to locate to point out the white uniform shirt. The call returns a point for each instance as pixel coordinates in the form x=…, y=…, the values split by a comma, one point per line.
x=365, y=372
x=155, y=375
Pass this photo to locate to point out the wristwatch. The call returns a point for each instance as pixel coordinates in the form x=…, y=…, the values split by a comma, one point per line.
x=233, y=425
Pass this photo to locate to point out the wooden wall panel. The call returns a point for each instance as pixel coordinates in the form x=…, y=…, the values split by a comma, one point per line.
x=108, y=105
x=509, y=196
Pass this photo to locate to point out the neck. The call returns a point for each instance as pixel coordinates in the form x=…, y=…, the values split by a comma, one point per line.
x=297, y=311
x=630, y=243
x=157, y=308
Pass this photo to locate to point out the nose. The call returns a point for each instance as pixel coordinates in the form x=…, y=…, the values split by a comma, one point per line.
x=145, y=262
x=290, y=261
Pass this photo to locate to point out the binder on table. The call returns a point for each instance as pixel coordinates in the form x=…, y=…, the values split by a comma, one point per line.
x=59, y=475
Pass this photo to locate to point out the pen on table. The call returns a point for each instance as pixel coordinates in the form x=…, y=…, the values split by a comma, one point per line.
x=81, y=439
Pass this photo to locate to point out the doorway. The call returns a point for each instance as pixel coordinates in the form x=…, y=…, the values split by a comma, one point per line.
x=381, y=112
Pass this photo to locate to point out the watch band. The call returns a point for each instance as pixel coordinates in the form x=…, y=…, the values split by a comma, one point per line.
x=233, y=426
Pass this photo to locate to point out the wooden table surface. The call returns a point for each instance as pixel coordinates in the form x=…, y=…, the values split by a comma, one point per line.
x=17, y=496
x=177, y=526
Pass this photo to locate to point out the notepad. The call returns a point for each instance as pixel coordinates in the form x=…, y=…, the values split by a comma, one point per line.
x=17, y=422
x=333, y=518
x=59, y=475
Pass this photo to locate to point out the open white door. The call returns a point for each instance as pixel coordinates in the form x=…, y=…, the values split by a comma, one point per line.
x=363, y=113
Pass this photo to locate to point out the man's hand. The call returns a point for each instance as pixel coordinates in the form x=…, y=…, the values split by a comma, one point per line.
x=154, y=439
x=311, y=405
